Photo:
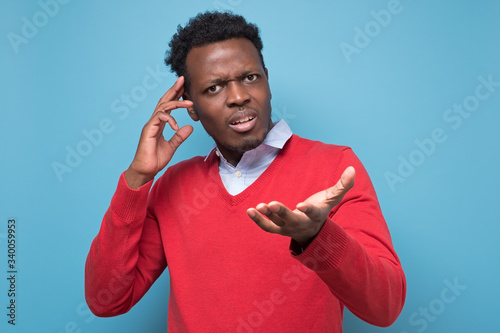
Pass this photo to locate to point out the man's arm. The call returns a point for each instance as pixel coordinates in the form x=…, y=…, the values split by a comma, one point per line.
x=340, y=234
x=127, y=255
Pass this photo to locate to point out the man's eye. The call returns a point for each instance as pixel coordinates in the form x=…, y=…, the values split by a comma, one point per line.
x=251, y=77
x=213, y=89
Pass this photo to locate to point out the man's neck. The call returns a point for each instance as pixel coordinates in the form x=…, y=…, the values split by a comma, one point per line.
x=233, y=156
x=233, y=160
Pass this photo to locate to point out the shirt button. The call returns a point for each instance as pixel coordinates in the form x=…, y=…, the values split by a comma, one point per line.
x=238, y=173
x=217, y=153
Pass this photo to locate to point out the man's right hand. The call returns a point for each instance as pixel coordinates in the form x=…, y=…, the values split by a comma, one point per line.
x=154, y=152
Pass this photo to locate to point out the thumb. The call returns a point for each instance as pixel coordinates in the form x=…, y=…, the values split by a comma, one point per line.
x=347, y=178
x=180, y=136
x=345, y=183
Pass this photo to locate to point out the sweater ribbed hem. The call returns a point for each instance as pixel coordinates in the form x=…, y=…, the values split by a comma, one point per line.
x=128, y=204
x=327, y=249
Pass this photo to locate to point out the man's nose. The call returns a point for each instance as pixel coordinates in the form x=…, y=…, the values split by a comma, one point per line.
x=237, y=94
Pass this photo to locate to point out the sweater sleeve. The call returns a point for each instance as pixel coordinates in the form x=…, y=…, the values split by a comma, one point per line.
x=353, y=253
x=126, y=256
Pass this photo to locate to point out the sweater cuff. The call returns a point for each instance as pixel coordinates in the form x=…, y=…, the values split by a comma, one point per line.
x=128, y=204
x=327, y=249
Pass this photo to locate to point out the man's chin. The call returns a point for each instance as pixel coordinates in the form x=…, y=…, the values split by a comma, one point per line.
x=249, y=145
x=245, y=145
x=242, y=147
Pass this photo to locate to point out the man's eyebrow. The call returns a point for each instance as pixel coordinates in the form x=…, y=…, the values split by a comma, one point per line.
x=214, y=81
x=250, y=71
x=222, y=80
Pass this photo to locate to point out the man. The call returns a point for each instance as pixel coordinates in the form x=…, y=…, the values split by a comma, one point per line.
x=313, y=248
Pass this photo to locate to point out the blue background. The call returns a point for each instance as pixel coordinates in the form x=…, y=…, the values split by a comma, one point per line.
x=71, y=71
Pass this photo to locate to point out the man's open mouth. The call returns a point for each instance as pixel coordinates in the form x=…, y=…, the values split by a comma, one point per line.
x=243, y=124
x=241, y=121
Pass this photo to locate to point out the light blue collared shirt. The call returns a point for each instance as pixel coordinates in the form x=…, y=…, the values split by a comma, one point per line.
x=253, y=162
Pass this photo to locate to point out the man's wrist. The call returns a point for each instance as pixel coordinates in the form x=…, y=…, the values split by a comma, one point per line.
x=304, y=243
x=135, y=179
x=306, y=240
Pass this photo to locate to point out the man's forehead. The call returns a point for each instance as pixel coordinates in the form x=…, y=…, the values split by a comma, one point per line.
x=225, y=59
x=215, y=50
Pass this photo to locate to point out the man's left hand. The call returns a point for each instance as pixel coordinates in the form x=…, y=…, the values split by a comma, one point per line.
x=305, y=221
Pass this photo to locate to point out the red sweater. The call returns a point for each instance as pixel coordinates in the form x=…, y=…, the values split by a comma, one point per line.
x=228, y=275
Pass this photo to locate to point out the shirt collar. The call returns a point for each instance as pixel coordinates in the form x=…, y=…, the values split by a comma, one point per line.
x=276, y=138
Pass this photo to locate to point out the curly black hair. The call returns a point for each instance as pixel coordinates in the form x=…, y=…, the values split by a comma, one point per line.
x=206, y=28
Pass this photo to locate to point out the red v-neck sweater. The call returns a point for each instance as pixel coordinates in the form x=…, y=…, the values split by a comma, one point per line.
x=228, y=275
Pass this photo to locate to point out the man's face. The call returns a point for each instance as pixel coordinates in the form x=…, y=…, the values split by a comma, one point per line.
x=230, y=94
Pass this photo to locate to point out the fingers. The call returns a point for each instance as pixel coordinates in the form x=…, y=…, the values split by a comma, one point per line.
x=278, y=213
x=156, y=124
x=273, y=217
x=264, y=223
x=306, y=221
x=174, y=93
x=168, y=102
x=168, y=106
x=274, y=211
x=306, y=208
x=278, y=219
x=180, y=136
x=315, y=213
x=163, y=113
x=171, y=100
x=317, y=206
x=153, y=151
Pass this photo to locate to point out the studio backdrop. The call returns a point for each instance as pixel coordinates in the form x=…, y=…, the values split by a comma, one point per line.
x=413, y=86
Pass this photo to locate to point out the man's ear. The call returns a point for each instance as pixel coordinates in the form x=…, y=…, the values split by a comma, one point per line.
x=191, y=111
x=267, y=76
